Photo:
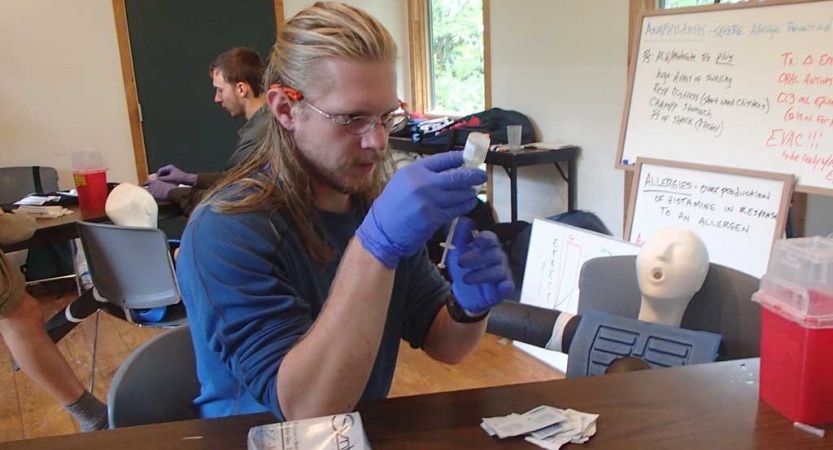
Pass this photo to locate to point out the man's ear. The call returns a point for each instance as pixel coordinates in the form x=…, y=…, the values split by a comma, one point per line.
x=281, y=107
x=242, y=89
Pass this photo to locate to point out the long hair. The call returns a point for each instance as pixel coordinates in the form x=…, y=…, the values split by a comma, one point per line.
x=273, y=177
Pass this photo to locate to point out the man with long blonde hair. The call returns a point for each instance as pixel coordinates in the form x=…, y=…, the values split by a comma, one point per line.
x=305, y=266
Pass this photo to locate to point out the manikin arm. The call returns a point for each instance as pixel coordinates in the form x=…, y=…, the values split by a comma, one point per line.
x=541, y=327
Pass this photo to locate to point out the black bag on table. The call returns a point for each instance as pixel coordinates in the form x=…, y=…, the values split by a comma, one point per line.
x=492, y=122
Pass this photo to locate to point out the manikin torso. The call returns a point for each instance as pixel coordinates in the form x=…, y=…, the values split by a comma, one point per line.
x=670, y=268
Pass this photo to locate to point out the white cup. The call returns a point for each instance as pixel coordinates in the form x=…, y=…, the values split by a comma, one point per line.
x=513, y=133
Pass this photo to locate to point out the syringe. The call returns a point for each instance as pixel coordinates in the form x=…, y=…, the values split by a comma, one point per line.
x=474, y=154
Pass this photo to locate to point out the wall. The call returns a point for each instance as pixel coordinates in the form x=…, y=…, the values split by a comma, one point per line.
x=61, y=86
x=566, y=69
x=564, y=64
x=61, y=90
x=819, y=216
x=393, y=15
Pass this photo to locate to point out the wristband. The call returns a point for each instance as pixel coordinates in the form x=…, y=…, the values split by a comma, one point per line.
x=458, y=314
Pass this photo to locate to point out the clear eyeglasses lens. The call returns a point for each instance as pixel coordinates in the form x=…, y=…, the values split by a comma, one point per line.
x=362, y=124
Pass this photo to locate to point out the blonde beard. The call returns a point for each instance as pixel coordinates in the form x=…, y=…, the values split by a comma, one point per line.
x=337, y=183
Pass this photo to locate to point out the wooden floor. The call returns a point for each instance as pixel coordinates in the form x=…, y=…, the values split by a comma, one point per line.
x=27, y=412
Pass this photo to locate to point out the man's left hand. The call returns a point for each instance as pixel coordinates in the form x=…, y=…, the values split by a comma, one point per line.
x=173, y=174
x=479, y=269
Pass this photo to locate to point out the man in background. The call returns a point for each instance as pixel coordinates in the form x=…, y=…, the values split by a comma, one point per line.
x=237, y=76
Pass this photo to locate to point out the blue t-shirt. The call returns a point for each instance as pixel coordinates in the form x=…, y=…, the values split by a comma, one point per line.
x=252, y=291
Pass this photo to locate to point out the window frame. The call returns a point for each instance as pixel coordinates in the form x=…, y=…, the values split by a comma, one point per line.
x=420, y=62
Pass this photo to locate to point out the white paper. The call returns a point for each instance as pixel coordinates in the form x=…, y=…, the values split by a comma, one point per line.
x=37, y=200
x=43, y=212
x=532, y=420
x=552, y=430
x=545, y=426
x=487, y=429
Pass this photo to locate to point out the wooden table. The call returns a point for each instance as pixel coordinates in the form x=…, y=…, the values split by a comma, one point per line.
x=61, y=229
x=511, y=161
x=53, y=231
x=710, y=406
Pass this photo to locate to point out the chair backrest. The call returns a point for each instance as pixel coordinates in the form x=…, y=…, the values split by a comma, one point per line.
x=157, y=383
x=130, y=267
x=18, y=182
x=723, y=305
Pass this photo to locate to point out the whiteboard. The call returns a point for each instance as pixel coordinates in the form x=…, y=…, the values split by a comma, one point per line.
x=553, y=263
x=748, y=86
x=737, y=213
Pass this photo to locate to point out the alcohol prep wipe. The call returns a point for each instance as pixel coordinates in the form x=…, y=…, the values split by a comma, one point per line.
x=338, y=432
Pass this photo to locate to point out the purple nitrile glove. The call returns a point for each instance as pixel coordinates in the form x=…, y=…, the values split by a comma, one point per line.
x=479, y=269
x=418, y=199
x=159, y=189
x=173, y=174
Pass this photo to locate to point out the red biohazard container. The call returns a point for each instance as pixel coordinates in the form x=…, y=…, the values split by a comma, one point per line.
x=796, y=297
x=90, y=176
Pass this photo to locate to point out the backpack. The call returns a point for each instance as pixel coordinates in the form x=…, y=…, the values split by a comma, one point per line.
x=492, y=122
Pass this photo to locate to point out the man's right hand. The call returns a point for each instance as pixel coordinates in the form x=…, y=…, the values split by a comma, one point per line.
x=418, y=200
x=173, y=174
x=160, y=189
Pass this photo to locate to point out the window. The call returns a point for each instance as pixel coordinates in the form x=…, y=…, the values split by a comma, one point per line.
x=666, y=4
x=456, y=49
x=449, y=56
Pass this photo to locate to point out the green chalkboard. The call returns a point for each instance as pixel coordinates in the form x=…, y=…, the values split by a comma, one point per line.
x=173, y=42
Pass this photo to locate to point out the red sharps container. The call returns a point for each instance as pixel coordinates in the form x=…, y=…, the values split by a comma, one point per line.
x=796, y=297
x=90, y=176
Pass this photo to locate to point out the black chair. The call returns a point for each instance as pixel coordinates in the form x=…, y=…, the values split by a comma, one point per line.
x=133, y=277
x=723, y=305
x=157, y=383
x=18, y=182
x=54, y=262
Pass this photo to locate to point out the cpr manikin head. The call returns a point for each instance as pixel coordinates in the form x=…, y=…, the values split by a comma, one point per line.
x=670, y=268
x=129, y=205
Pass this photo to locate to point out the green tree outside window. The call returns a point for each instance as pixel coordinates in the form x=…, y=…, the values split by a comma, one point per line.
x=457, y=72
